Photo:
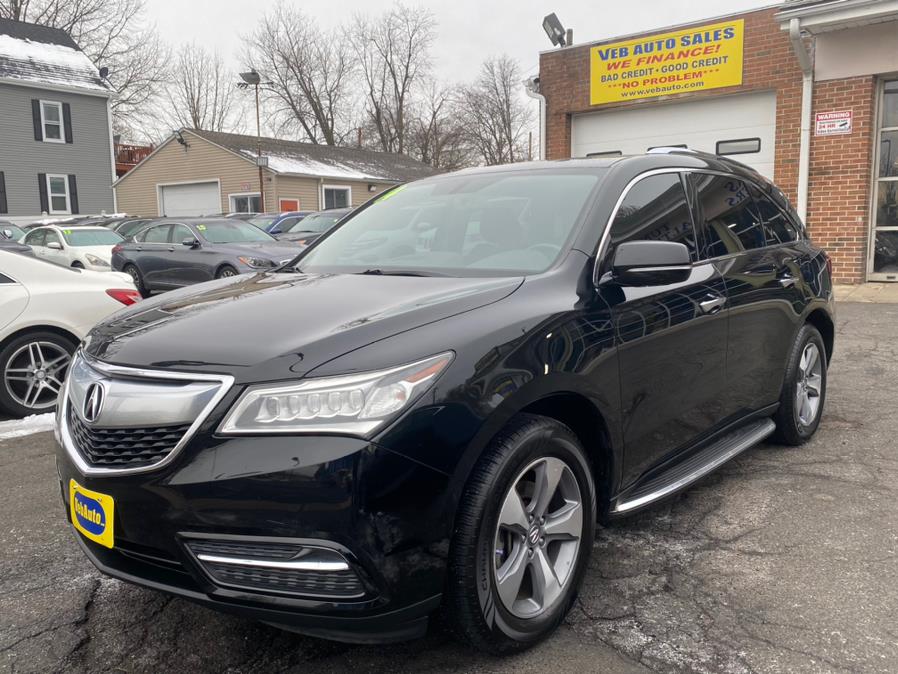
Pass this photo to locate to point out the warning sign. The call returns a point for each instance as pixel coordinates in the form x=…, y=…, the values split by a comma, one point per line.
x=832, y=123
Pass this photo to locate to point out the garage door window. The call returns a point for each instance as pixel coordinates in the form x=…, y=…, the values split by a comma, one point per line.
x=336, y=196
x=246, y=203
x=738, y=146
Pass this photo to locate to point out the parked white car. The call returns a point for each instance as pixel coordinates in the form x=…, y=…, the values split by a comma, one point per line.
x=80, y=247
x=45, y=311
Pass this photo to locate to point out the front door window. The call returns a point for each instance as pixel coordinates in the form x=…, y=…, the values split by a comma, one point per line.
x=884, y=262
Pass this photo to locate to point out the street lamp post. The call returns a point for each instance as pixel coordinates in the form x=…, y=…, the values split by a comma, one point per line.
x=252, y=78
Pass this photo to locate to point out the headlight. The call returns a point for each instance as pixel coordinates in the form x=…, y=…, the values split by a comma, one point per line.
x=356, y=404
x=256, y=262
x=96, y=261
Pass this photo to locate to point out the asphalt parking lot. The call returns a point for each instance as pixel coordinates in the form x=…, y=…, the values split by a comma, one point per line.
x=784, y=560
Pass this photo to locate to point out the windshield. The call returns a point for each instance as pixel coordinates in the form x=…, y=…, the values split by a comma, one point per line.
x=317, y=223
x=91, y=237
x=232, y=231
x=15, y=233
x=262, y=221
x=485, y=224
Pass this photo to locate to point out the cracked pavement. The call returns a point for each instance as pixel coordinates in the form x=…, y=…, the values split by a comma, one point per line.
x=786, y=559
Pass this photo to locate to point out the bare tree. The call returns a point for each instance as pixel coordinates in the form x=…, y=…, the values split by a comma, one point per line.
x=200, y=94
x=309, y=73
x=496, y=119
x=113, y=34
x=437, y=134
x=394, y=54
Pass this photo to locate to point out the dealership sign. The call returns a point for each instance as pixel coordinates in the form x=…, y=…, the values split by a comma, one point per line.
x=693, y=59
x=832, y=123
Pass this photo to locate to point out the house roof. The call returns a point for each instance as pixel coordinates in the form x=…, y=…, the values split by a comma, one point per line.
x=326, y=161
x=39, y=55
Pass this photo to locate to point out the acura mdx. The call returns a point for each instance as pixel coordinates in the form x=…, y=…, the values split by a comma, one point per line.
x=351, y=442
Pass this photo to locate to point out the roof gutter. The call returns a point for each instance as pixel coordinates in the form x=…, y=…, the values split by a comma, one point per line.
x=531, y=88
x=807, y=95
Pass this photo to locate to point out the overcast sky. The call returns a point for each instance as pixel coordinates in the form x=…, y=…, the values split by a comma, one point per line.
x=468, y=30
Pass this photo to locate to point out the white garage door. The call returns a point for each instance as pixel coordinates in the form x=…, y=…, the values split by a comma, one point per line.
x=741, y=126
x=190, y=199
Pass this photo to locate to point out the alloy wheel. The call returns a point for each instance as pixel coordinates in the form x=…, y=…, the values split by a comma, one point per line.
x=34, y=374
x=538, y=537
x=808, y=387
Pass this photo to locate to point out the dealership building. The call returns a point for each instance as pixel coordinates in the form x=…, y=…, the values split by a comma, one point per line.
x=806, y=92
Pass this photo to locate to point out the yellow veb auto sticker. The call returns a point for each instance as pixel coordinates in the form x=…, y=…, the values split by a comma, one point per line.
x=92, y=513
x=202, y=228
x=691, y=59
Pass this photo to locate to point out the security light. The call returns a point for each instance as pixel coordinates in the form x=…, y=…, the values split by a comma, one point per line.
x=554, y=30
x=252, y=77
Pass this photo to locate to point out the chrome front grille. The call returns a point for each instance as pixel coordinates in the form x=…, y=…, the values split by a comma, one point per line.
x=124, y=447
x=116, y=419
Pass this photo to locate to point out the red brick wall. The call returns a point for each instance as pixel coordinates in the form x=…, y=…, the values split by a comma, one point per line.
x=839, y=186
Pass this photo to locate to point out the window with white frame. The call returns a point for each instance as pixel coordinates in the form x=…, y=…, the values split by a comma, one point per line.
x=249, y=202
x=336, y=196
x=58, y=194
x=51, y=121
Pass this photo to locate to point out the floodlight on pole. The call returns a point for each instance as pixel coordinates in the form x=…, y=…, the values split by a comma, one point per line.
x=556, y=32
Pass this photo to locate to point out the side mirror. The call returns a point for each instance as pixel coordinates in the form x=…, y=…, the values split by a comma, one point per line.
x=274, y=230
x=55, y=245
x=648, y=263
x=190, y=242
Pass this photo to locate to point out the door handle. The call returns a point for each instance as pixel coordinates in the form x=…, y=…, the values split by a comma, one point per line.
x=712, y=305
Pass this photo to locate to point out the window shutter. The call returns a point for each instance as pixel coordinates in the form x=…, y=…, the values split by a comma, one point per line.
x=3, y=204
x=42, y=189
x=73, y=195
x=67, y=121
x=36, y=118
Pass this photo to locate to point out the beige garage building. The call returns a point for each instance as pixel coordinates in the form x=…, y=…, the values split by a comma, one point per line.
x=203, y=173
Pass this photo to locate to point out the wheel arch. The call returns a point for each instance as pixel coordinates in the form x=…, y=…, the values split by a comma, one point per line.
x=587, y=422
x=55, y=329
x=821, y=320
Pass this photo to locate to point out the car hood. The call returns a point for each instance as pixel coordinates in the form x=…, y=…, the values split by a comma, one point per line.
x=272, y=250
x=274, y=326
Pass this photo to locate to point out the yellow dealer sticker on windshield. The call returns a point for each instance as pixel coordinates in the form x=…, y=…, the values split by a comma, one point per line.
x=692, y=59
x=67, y=231
x=202, y=228
x=92, y=513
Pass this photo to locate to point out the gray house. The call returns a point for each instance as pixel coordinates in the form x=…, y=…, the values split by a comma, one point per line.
x=56, y=153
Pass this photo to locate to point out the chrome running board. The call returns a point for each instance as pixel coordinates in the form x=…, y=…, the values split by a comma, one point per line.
x=696, y=466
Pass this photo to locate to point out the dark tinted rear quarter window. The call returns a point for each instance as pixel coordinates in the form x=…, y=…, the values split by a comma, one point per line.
x=655, y=209
x=778, y=227
x=730, y=221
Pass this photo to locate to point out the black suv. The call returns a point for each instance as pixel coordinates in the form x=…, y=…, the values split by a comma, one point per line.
x=341, y=448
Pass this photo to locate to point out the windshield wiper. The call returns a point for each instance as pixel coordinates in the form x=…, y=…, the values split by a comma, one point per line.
x=398, y=272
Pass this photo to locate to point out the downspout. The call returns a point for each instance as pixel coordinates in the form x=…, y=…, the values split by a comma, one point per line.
x=531, y=88
x=807, y=94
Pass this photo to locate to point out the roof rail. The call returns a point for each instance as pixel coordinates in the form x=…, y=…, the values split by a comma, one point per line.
x=665, y=149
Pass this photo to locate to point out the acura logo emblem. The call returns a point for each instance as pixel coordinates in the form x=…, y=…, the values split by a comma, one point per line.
x=93, y=402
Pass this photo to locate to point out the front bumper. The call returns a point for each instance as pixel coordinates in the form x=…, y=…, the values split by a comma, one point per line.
x=384, y=514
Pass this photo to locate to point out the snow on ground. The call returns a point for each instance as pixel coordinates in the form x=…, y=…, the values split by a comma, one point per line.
x=36, y=423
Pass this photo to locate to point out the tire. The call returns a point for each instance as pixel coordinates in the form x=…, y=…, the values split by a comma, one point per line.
x=20, y=362
x=226, y=271
x=132, y=271
x=482, y=549
x=803, y=396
